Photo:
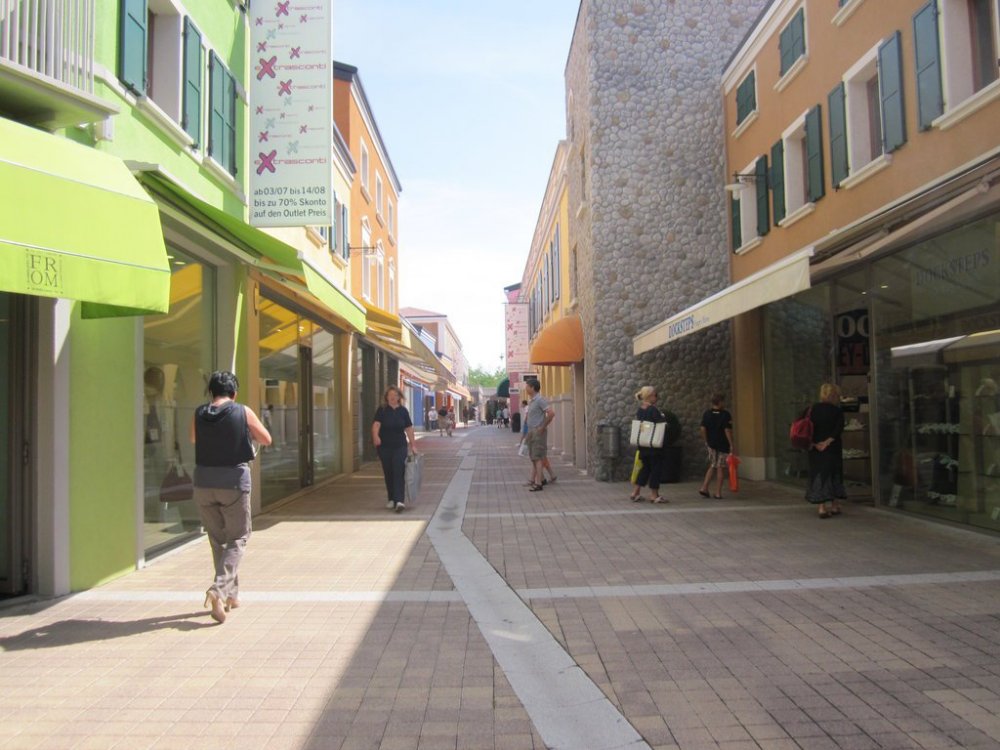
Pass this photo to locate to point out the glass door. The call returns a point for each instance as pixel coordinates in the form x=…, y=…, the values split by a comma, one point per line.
x=15, y=377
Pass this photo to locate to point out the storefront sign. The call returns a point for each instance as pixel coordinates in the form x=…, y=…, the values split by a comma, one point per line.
x=852, y=343
x=955, y=272
x=43, y=272
x=291, y=115
x=517, y=337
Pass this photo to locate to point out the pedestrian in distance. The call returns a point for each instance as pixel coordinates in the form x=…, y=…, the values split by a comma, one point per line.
x=451, y=422
x=717, y=432
x=392, y=430
x=826, y=459
x=652, y=458
x=431, y=419
x=442, y=421
x=537, y=418
x=223, y=432
x=546, y=465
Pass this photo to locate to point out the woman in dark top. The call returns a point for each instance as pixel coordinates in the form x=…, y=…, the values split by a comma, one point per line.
x=391, y=430
x=221, y=432
x=652, y=458
x=826, y=459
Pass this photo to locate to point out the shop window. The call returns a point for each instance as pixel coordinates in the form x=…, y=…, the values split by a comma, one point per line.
x=222, y=119
x=179, y=353
x=955, y=43
x=746, y=98
x=934, y=309
x=792, y=42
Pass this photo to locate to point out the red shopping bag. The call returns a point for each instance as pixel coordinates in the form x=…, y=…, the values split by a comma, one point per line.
x=734, y=479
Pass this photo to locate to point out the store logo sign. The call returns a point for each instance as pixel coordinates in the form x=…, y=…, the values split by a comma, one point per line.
x=44, y=272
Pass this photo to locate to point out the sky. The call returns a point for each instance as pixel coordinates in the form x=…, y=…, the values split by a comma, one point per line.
x=469, y=97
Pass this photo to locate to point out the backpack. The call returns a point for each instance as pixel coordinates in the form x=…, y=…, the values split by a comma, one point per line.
x=801, y=432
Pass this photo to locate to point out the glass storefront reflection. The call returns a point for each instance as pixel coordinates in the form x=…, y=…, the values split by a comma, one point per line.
x=178, y=355
x=301, y=401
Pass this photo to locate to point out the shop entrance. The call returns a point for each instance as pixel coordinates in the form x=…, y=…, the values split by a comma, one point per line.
x=15, y=443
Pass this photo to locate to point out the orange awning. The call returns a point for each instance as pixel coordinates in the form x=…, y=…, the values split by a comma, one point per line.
x=560, y=343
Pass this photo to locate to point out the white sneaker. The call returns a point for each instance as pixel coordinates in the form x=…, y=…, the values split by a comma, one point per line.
x=400, y=507
x=390, y=505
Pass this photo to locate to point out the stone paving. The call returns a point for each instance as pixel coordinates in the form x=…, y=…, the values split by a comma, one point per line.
x=489, y=617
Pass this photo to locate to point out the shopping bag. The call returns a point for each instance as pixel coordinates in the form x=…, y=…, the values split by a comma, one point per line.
x=177, y=485
x=522, y=449
x=734, y=479
x=413, y=475
x=801, y=432
x=647, y=434
x=636, y=467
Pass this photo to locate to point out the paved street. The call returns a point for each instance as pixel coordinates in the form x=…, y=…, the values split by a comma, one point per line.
x=489, y=617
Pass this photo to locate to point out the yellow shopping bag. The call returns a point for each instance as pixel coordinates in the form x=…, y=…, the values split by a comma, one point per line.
x=636, y=467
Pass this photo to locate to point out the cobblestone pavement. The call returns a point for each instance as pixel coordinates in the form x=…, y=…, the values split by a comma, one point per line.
x=489, y=617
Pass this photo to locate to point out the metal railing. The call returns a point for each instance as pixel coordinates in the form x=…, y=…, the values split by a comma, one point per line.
x=53, y=38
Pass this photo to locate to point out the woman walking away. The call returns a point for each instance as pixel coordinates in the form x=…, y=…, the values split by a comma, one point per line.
x=717, y=432
x=222, y=431
x=652, y=458
x=826, y=459
x=391, y=430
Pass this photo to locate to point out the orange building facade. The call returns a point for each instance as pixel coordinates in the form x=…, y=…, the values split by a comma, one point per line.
x=863, y=162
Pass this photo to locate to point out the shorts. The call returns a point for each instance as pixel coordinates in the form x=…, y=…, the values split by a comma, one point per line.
x=537, y=445
x=717, y=459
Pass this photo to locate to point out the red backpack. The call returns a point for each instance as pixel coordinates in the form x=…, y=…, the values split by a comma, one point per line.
x=801, y=432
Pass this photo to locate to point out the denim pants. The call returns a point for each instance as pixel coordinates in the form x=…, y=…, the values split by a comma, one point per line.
x=225, y=514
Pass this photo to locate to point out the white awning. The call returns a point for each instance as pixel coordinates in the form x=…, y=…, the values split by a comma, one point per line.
x=788, y=276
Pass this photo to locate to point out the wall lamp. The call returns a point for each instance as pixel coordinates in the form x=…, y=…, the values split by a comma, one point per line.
x=742, y=179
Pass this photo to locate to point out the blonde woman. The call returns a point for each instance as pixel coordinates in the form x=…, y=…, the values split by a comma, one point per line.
x=826, y=459
x=391, y=431
x=652, y=458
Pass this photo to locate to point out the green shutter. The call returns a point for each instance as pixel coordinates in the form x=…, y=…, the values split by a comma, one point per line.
x=230, y=122
x=217, y=114
x=837, y=117
x=814, y=153
x=746, y=98
x=760, y=186
x=132, y=56
x=930, y=102
x=792, y=41
x=734, y=208
x=191, y=118
x=778, y=181
x=345, y=247
x=890, y=84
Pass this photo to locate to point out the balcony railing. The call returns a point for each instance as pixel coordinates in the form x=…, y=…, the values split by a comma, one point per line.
x=52, y=38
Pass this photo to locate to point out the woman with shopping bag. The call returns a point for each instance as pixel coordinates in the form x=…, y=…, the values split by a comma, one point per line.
x=392, y=429
x=650, y=454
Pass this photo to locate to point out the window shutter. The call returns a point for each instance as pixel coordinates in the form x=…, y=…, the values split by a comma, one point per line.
x=792, y=41
x=734, y=208
x=760, y=186
x=890, y=83
x=230, y=121
x=217, y=116
x=778, y=181
x=334, y=239
x=191, y=118
x=132, y=56
x=930, y=102
x=746, y=98
x=837, y=116
x=814, y=153
x=345, y=247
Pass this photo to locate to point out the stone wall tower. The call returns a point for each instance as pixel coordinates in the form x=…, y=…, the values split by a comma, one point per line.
x=648, y=213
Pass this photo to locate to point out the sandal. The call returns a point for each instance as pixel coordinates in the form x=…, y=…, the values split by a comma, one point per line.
x=703, y=493
x=636, y=498
x=553, y=480
x=659, y=500
x=535, y=488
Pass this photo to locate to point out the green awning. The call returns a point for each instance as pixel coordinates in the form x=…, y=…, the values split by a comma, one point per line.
x=276, y=255
x=74, y=223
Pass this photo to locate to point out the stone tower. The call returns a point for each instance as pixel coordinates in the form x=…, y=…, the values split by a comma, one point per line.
x=648, y=212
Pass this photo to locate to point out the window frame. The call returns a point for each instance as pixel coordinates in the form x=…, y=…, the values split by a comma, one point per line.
x=788, y=66
x=742, y=94
x=365, y=168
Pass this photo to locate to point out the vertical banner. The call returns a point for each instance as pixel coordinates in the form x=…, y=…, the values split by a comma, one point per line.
x=516, y=329
x=291, y=113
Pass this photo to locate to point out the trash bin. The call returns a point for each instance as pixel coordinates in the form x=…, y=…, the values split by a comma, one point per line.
x=515, y=422
x=609, y=440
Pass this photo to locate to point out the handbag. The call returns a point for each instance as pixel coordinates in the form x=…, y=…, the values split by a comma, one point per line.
x=646, y=434
x=636, y=468
x=801, y=432
x=413, y=475
x=734, y=478
x=177, y=485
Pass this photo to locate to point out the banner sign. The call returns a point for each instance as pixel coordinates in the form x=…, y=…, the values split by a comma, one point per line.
x=291, y=114
x=516, y=329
